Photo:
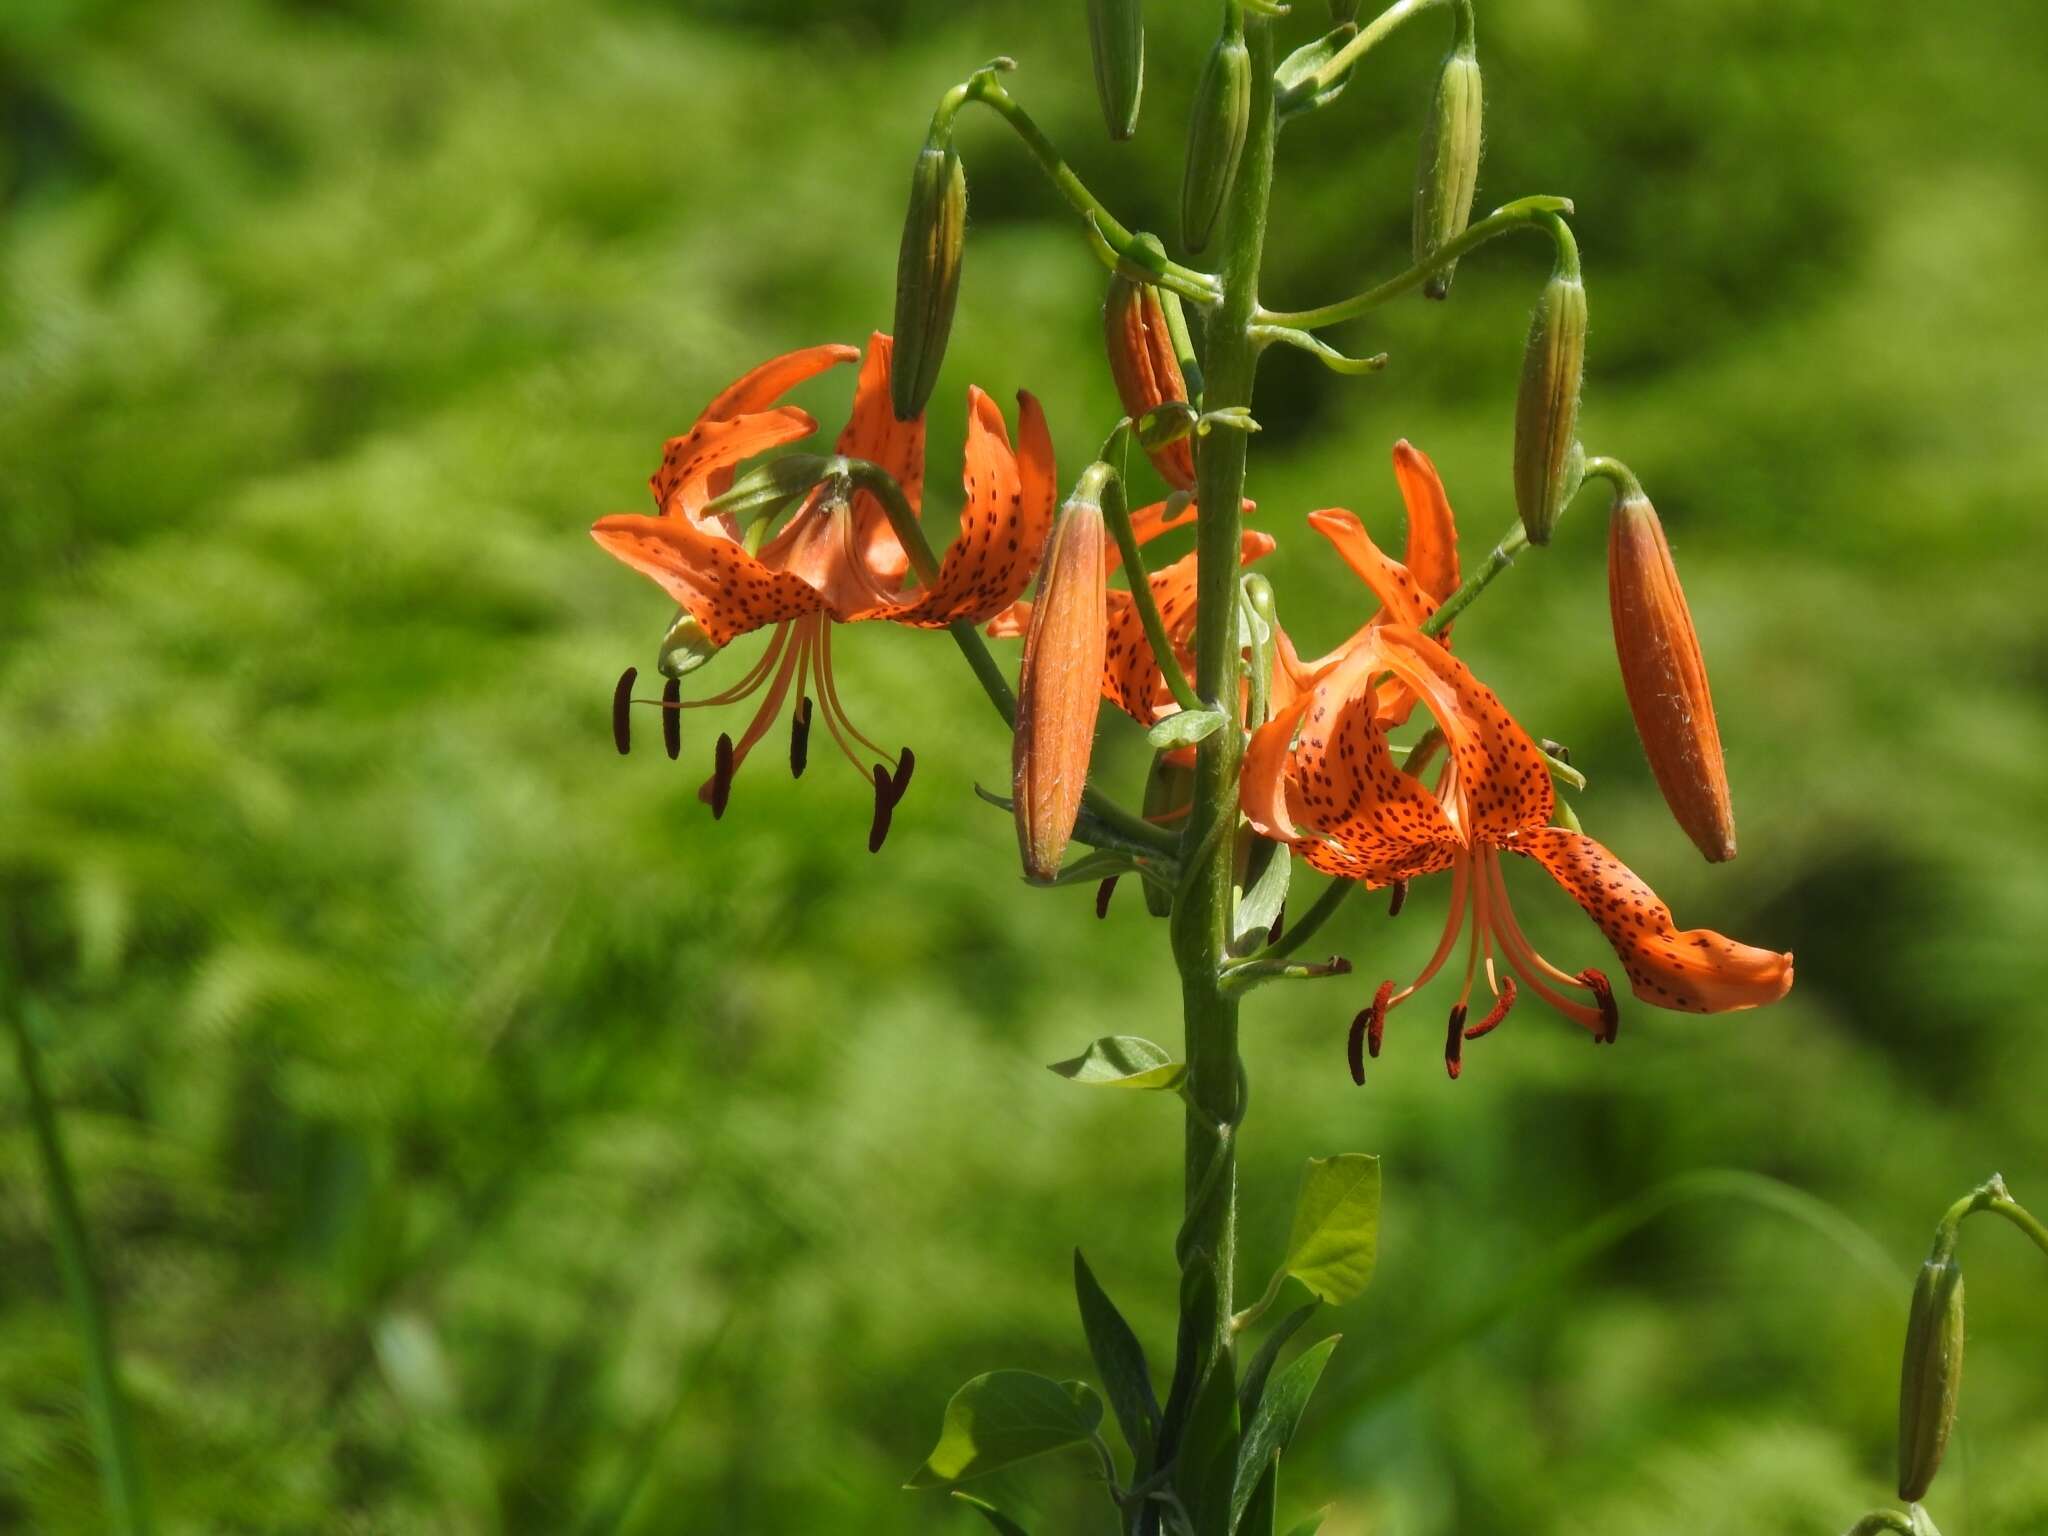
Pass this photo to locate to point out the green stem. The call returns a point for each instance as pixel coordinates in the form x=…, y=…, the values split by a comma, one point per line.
x=2022, y=1218
x=1335, y=894
x=1376, y=31
x=987, y=672
x=986, y=89
x=1512, y=543
x=1617, y=474
x=120, y=1468
x=1524, y=213
x=1201, y=925
x=1117, y=509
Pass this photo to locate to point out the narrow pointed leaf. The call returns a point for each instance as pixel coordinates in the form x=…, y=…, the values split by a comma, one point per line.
x=1252, y=1390
x=1312, y=1524
x=1123, y=1061
x=1335, y=1241
x=1120, y=1359
x=1006, y=1417
x=1273, y=1426
x=1267, y=874
x=1185, y=727
x=1204, y=1466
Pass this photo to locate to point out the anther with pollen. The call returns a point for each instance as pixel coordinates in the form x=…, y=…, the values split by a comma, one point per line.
x=1454, y=1043
x=1399, y=899
x=721, y=776
x=1366, y=1030
x=800, y=738
x=1496, y=1013
x=885, y=808
x=1610, y=1013
x=622, y=711
x=672, y=719
x=1102, y=894
x=906, y=764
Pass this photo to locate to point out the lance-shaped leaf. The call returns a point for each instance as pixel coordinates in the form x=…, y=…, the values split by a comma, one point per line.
x=1006, y=1417
x=1313, y=1523
x=1335, y=1240
x=995, y=1517
x=1273, y=1426
x=1252, y=1390
x=1268, y=868
x=1123, y=1061
x=1120, y=1359
x=1204, y=1464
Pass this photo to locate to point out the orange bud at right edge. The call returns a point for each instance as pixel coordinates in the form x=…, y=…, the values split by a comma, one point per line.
x=1146, y=370
x=1665, y=676
x=1060, y=687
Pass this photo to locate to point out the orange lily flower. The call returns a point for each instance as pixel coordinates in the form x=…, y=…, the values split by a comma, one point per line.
x=1320, y=776
x=837, y=560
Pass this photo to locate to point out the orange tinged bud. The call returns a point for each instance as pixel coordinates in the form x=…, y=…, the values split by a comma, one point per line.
x=1146, y=371
x=1060, y=686
x=1665, y=676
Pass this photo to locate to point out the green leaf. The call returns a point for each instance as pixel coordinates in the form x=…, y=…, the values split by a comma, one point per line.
x=1313, y=1523
x=1273, y=1426
x=1291, y=78
x=1121, y=1360
x=991, y=1514
x=1123, y=1061
x=1259, y=1512
x=1204, y=1463
x=1185, y=727
x=1336, y=1233
x=1253, y=1387
x=1006, y=1417
x=1268, y=868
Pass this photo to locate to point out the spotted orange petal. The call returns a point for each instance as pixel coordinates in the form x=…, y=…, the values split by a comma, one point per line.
x=761, y=387
x=1431, y=556
x=699, y=465
x=873, y=433
x=725, y=589
x=1695, y=970
x=1131, y=678
x=1004, y=524
x=1402, y=599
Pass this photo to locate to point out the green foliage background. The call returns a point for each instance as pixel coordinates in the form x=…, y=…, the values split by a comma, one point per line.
x=478, y=1138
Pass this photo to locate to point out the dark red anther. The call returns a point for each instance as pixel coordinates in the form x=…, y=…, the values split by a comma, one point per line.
x=1399, y=899
x=1501, y=1004
x=622, y=711
x=672, y=719
x=721, y=776
x=1610, y=1013
x=1381, y=1001
x=1279, y=925
x=1354, y=1046
x=905, y=765
x=800, y=738
x=885, y=807
x=1102, y=894
x=1454, y=1043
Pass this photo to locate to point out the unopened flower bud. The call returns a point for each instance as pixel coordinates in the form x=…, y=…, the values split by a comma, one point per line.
x=1169, y=791
x=1060, y=684
x=1932, y=1373
x=1447, y=173
x=1116, y=29
x=1146, y=370
x=1547, y=405
x=927, y=275
x=1216, y=133
x=1666, y=677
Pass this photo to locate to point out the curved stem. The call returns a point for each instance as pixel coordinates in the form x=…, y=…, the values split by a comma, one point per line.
x=120, y=1467
x=986, y=89
x=1377, y=31
x=2022, y=1218
x=1117, y=509
x=1335, y=894
x=1615, y=473
x=1512, y=543
x=1524, y=213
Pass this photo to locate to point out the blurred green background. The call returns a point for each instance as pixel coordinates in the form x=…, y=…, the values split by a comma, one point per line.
x=478, y=1138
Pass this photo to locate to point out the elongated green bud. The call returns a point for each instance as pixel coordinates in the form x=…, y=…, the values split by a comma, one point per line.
x=1116, y=28
x=1447, y=173
x=1548, y=461
x=1931, y=1374
x=1216, y=132
x=928, y=274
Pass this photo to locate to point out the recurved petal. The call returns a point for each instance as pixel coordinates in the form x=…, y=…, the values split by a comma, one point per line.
x=1432, y=554
x=873, y=433
x=1402, y=598
x=763, y=386
x=1503, y=780
x=1695, y=970
x=699, y=465
x=726, y=590
x=1002, y=528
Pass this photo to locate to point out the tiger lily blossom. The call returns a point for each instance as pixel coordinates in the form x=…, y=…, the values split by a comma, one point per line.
x=1321, y=777
x=837, y=560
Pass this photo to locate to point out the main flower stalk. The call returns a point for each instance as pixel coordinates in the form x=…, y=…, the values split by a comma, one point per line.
x=1202, y=912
